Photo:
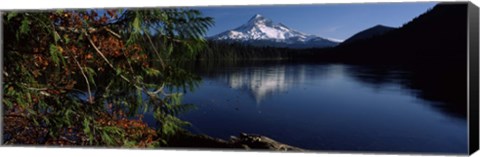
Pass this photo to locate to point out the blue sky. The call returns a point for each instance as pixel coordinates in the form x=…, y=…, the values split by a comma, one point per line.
x=337, y=21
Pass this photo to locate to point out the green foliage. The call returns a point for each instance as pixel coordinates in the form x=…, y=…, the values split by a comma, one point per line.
x=54, y=62
x=152, y=72
x=87, y=130
x=25, y=28
x=54, y=53
x=11, y=15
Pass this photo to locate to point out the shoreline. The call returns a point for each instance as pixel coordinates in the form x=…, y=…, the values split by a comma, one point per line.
x=243, y=141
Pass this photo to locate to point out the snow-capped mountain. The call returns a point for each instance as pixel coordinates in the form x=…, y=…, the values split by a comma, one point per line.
x=261, y=31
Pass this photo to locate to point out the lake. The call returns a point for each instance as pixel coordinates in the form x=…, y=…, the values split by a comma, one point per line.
x=334, y=106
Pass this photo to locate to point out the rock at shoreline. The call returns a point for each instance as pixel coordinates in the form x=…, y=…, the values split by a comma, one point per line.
x=251, y=141
x=243, y=141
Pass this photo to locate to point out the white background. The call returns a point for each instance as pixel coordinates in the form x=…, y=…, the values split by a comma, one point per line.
x=89, y=152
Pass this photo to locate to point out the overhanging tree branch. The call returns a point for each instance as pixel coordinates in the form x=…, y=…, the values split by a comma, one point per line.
x=156, y=51
x=107, y=61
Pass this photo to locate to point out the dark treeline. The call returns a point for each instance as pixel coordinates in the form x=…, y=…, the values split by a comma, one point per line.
x=230, y=51
x=237, y=51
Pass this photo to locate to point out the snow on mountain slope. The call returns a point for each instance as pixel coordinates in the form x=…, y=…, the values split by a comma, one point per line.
x=261, y=31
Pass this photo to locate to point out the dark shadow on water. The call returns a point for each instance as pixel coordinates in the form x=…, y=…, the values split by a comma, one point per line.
x=445, y=85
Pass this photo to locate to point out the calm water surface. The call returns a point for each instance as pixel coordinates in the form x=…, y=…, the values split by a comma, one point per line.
x=330, y=107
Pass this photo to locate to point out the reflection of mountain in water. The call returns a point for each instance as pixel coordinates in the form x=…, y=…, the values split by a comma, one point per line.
x=261, y=82
x=264, y=79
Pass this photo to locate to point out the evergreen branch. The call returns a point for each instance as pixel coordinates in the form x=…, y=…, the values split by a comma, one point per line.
x=89, y=30
x=90, y=98
x=106, y=60
x=155, y=50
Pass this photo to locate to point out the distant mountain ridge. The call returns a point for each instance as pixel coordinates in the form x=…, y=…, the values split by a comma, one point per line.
x=261, y=31
x=439, y=33
x=368, y=33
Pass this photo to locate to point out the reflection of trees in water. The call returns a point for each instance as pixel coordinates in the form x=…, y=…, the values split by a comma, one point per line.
x=444, y=85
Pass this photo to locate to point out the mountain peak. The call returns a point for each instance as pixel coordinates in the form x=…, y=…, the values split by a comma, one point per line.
x=281, y=24
x=258, y=18
x=260, y=29
x=381, y=26
x=370, y=32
